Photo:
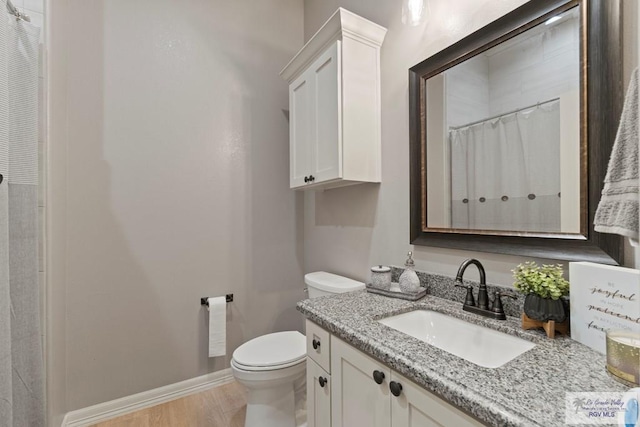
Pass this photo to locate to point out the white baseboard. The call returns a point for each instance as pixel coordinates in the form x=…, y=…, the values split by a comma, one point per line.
x=104, y=411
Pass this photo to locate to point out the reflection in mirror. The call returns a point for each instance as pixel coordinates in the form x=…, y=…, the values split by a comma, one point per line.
x=550, y=91
x=503, y=135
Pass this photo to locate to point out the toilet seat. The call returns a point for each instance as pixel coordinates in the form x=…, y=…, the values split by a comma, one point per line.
x=271, y=352
x=250, y=368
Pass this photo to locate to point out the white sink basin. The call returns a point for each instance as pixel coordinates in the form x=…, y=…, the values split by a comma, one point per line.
x=477, y=344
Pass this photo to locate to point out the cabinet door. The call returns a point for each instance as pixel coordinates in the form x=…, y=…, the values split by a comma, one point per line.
x=327, y=137
x=356, y=399
x=318, y=396
x=416, y=407
x=300, y=129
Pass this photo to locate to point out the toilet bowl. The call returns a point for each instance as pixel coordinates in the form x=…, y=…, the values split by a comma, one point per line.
x=272, y=367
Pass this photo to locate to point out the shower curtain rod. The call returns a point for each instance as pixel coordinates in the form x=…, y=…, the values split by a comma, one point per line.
x=15, y=12
x=503, y=114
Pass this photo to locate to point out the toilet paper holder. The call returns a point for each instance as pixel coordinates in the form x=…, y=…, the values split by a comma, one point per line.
x=205, y=301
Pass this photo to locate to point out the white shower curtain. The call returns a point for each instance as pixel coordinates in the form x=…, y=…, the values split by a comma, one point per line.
x=21, y=358
x=505, y=172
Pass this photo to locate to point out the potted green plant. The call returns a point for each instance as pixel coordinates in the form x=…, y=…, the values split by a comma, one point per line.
x=544, y=286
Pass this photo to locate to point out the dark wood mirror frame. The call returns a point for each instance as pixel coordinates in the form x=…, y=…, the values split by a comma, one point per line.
x=601, y=98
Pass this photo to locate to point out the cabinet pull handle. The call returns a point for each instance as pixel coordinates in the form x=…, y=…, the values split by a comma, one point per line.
x=378, y=377
x=306, y=179
x=323, y=381
x=396, y=388
x=316, y=344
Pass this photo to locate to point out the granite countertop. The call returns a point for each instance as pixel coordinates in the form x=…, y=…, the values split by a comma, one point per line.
x=527, y=391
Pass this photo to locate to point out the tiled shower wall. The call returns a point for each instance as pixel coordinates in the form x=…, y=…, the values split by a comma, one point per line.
x=541, y=68
x=537, y=69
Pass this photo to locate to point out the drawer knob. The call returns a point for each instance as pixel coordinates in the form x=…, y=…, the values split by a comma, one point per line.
x=323, y=381
x=306, y=179
x=316, y=344
x=378, y=377
x=396, y=388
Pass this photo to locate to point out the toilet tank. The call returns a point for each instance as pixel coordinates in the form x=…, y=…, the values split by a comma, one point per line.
x=321, y=283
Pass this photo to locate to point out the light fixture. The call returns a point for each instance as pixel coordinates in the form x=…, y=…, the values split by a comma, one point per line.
x=553, y=19
x=414, y=12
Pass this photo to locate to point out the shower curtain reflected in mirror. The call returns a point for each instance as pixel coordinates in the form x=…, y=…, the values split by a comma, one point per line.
x=505, y=172
x=21, y=357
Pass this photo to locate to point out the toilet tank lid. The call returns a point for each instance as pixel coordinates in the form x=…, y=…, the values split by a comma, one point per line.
x=330, y=282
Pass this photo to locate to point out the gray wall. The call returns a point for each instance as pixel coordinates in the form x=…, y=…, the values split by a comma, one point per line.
x=349, y=229
x=169, y=182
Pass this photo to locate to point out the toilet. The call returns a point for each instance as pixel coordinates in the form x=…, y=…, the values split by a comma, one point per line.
x=272, y=367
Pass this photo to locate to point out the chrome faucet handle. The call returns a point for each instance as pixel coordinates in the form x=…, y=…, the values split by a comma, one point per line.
x=468, y=300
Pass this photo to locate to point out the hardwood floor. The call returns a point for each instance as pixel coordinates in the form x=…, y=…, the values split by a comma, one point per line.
x=223, y=406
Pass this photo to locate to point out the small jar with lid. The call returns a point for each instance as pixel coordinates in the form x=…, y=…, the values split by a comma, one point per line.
x=381, y=277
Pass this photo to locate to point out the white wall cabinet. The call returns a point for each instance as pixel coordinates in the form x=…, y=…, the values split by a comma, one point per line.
x=360, y=392
x=334, y=105
x=315, y=142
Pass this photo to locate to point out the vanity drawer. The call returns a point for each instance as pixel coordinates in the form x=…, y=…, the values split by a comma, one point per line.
x=318, y=345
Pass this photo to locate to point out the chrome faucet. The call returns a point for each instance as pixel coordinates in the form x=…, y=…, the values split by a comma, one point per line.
x=482, y=308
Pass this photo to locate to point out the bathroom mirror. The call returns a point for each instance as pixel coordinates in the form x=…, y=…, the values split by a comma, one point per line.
x=511, y=130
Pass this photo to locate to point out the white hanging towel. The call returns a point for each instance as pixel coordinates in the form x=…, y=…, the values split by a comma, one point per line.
x=617, y=211
x=217, y=326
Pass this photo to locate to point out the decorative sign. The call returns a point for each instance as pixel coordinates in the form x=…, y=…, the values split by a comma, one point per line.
x=602, y=298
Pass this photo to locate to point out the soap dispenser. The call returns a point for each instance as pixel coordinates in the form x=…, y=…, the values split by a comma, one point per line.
x=409, y=281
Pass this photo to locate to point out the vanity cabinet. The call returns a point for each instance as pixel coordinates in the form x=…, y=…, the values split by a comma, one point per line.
x=318, y=345
x=318, y=396
x=357, y=399
x=358, y=390
x=319, y=381
x=334, y=105
x=416, y=407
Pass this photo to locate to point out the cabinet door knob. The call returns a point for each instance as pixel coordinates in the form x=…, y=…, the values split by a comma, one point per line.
x=315, y=344
x=1, y=178
x=378, y=377
x=312, y=178
x=396, y=388
x=323, y=381
x=306, y=179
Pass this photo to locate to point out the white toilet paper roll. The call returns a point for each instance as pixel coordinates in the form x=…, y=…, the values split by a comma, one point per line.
x=217, y=326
